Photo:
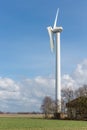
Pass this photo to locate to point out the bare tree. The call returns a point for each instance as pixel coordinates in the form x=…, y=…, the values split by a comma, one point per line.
x=47, y=106
x=67, y=96
x=81, y=95
x=82, y=91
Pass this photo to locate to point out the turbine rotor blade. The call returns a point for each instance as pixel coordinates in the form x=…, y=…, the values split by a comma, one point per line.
x=56, y=18
x=51, y=37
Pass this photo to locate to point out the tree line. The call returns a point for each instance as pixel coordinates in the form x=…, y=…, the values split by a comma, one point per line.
x=68, y=94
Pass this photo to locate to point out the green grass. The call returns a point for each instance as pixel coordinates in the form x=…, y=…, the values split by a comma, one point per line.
x=25, y=123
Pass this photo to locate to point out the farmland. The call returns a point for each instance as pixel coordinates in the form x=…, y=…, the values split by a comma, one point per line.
x=26, y=122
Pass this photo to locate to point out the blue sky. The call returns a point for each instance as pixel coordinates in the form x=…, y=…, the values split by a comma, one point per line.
x=24, y=42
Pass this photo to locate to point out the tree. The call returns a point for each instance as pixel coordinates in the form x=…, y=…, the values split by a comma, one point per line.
x=81, y=94
x=82, y=104
x=47, y=106
x=82, y=91
x=67, y=96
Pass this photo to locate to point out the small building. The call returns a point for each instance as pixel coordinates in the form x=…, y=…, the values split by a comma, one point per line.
x=77, y=108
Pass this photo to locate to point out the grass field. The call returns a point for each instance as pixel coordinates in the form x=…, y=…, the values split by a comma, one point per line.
x=27, y=123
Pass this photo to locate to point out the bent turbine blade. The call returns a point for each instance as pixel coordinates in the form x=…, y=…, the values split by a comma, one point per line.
x=51, y=37
x=56, y=18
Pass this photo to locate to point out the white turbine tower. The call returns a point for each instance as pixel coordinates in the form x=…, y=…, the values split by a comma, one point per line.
x=55, y=32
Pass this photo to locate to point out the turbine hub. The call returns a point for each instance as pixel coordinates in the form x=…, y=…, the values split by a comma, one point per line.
x=57, y=29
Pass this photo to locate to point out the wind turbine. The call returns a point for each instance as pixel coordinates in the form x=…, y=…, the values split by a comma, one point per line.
x=55, y=32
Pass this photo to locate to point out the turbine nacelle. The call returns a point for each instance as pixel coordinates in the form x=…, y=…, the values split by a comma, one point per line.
x=57, y=29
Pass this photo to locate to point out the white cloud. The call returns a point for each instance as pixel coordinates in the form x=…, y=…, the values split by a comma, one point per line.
x=80, y=73
x=68, y=82
x=8, y=84
x=27, y=95
x=78, y=77
x=36, y=89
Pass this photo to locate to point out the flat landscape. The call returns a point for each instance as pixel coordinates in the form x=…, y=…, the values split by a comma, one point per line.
x=26, y=122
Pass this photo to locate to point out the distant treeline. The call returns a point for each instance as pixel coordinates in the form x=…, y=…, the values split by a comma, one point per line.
x=20, y=112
